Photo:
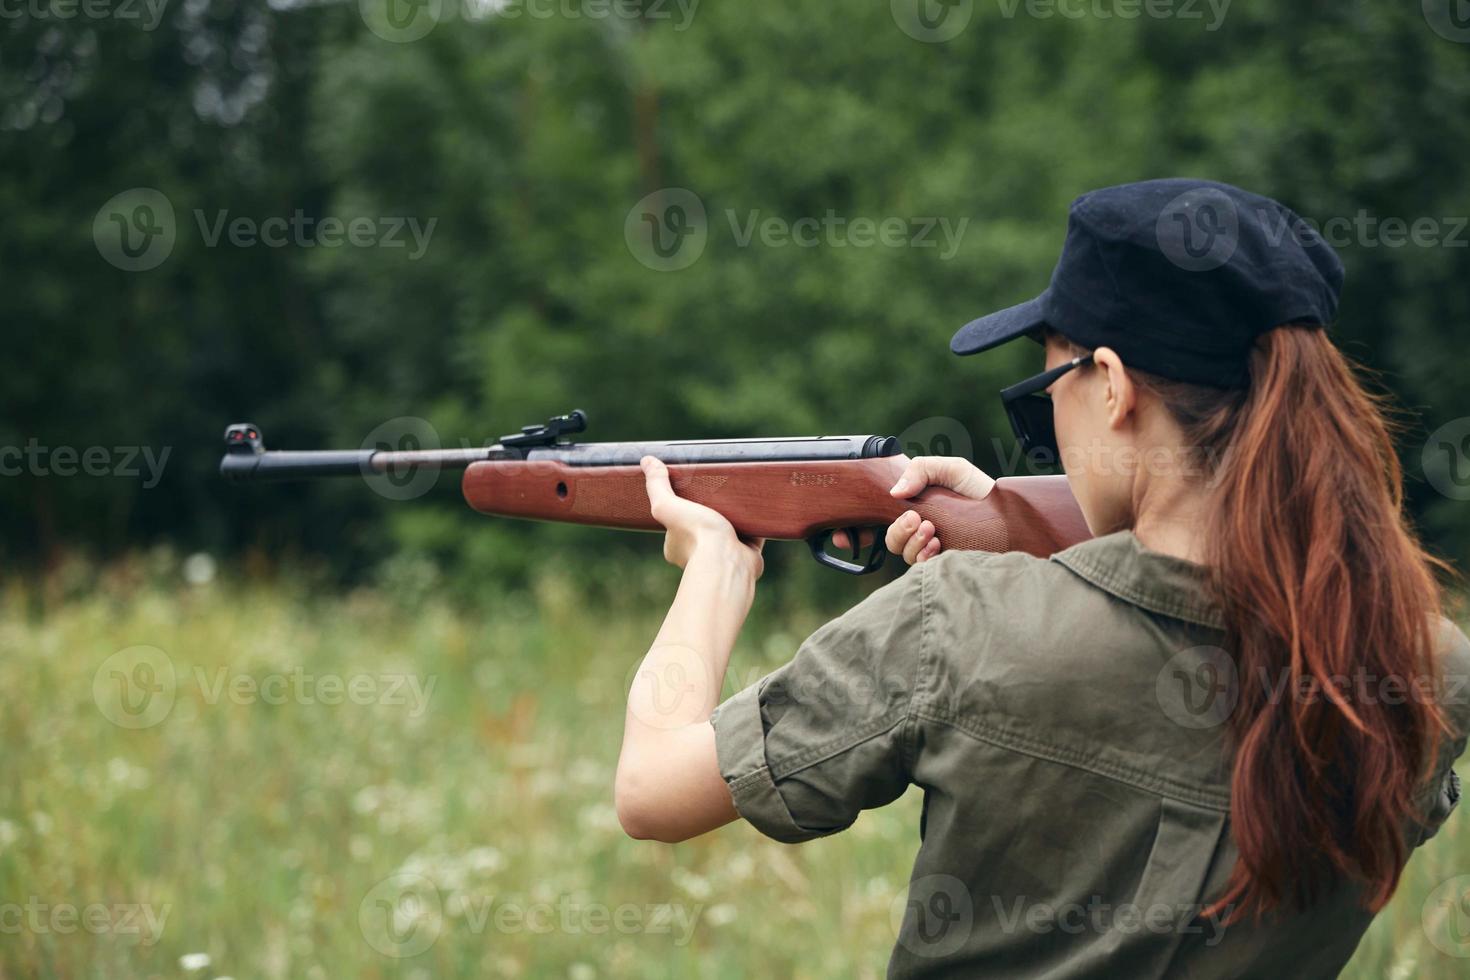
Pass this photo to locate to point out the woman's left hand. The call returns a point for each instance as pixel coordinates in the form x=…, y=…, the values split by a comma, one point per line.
x=693, y=527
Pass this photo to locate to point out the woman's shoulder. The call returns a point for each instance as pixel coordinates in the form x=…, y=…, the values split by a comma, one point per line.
x=1106, y=580
x=1017, y=605
x=1454, y=645
x=989, y=568
x=980, y=583
x=1452, y=659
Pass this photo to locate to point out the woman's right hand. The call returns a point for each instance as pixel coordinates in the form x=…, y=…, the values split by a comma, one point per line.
x=915, y=538
x=910, y=536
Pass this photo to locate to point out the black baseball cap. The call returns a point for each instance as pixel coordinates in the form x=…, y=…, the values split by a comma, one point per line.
x=1179, y=276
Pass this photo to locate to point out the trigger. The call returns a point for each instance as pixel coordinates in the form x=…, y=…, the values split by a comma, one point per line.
x=854, y=538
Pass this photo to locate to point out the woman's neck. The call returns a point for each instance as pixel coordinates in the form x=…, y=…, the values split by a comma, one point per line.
x=1170, y=517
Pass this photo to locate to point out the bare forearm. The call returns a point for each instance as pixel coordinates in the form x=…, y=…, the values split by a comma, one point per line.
x=668, y=784
x=680, y=679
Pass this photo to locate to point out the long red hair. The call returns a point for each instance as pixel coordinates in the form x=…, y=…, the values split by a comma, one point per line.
x=1327, y=597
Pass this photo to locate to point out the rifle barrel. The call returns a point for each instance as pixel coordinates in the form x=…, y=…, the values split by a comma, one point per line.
x=295, y=465
x=246, y=458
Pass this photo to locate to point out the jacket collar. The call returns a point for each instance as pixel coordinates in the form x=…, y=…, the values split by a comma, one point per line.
x=1121, y=566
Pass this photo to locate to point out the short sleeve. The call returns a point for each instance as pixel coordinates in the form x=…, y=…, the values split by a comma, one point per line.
x=809, y=746
x=1442, y=795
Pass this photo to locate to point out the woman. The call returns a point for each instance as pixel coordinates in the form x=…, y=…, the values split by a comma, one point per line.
x=1200, y=744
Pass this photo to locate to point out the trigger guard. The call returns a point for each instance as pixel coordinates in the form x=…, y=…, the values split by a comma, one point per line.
x=817, y=543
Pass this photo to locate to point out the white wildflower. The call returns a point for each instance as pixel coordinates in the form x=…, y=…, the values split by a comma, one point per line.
x=696, y=885
x=486, y=860
x=199, y=569
x=721, y=915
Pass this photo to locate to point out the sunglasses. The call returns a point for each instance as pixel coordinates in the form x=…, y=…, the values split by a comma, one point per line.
x=1029, y=409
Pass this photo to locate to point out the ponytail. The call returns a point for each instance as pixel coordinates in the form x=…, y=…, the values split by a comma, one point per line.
x=1324, y=589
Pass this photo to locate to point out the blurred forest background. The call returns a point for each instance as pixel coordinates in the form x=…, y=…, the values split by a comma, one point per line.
x=523, y=139
x=526, y=134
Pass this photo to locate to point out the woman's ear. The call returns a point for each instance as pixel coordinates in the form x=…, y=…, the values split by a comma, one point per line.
x=1119, y=393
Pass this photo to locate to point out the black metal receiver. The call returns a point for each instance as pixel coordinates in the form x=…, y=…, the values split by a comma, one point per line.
x=246, y=458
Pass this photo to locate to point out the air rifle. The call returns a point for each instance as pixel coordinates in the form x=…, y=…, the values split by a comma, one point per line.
x=795, y=488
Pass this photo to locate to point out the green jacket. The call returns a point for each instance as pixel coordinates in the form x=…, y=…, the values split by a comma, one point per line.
x=1065, y=719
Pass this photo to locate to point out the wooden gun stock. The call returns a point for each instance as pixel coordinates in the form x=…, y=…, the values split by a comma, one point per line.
x=785, y=500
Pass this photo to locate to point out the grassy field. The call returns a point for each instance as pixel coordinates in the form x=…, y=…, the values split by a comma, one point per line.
x=364, y=786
